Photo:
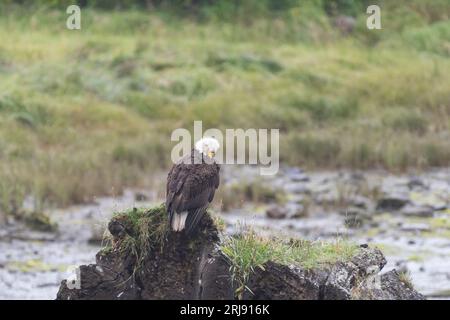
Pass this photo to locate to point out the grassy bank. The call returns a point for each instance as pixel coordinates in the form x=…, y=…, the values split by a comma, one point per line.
x=85, y=113
x=248, y=252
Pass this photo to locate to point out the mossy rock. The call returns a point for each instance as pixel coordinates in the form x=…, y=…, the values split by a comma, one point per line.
x=40, y=221
x=152, y=261
x=144, y=259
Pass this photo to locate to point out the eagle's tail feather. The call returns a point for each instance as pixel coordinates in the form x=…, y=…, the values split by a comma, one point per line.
x=194, y=218
x=178, y=221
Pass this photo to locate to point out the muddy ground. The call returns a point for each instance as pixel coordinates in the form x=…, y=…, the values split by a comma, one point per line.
x=407, y=216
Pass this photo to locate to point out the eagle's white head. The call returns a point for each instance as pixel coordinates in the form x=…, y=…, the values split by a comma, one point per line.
x=207, y=146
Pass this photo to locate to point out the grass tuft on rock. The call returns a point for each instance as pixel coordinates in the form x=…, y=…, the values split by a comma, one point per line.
x=405, y=278
x=145, y=230
x=248, y=251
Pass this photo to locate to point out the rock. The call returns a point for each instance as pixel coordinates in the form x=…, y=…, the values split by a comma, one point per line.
x=344, y=276
x=119, y=227
x=141, y=196
x=215, y=278
x=298, y=211
x=277, y=212
x=389, y=287
x=178, y=270
x=299, y=177
x=360, y=202
x=416, y=183
x=358, y=176
x=417, y=211
x=391, y=202
x=108, y=279
x=341, y=281
x=140, y=265
x=279, y=282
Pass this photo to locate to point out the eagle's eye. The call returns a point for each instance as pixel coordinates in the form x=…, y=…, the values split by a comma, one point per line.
x=211, y=154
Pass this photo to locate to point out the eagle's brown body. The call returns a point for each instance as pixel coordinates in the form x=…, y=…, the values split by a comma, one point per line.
x=190, y=189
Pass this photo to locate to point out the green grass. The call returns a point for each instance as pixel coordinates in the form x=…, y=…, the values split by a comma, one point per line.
x=86, y=113
x=146, y=231
x=248, y=252
x=147, y=226
x=405, y=278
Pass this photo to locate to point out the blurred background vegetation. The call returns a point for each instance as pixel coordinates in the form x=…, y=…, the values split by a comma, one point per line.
x=85, y=113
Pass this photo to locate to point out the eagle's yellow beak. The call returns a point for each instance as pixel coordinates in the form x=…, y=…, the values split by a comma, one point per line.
x=211, y=154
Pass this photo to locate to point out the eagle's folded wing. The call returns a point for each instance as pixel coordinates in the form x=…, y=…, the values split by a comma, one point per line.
x=190, y=190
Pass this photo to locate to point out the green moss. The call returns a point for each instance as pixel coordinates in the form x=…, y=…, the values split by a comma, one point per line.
x=107, y=249
x=416, y=258
x=33, y=265
x=440, y=223
x=146, y=230
x=372, y=232
x=248, y=251
x=144, y=233
x=146, y=226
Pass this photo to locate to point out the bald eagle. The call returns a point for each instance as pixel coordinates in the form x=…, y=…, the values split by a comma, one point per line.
x=191, y=184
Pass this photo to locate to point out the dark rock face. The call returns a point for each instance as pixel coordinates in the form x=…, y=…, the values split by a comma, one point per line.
x=279, y=282
x=416, y=183
x=355, y=279
x=215, y=278
x=345, y=276
x=184, y=269
x=277, y=212
x=194, y=268
x=108, y=279
x=391, y=288
x=394, y=288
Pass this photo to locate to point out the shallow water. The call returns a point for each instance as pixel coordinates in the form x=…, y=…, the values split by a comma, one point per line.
x=32, y=264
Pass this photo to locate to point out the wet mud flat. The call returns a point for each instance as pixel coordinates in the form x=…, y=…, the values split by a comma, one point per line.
x=407, y=216
x=33, y=264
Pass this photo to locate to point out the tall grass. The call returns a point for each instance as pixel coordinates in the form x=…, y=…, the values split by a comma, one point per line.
x=85, y=113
